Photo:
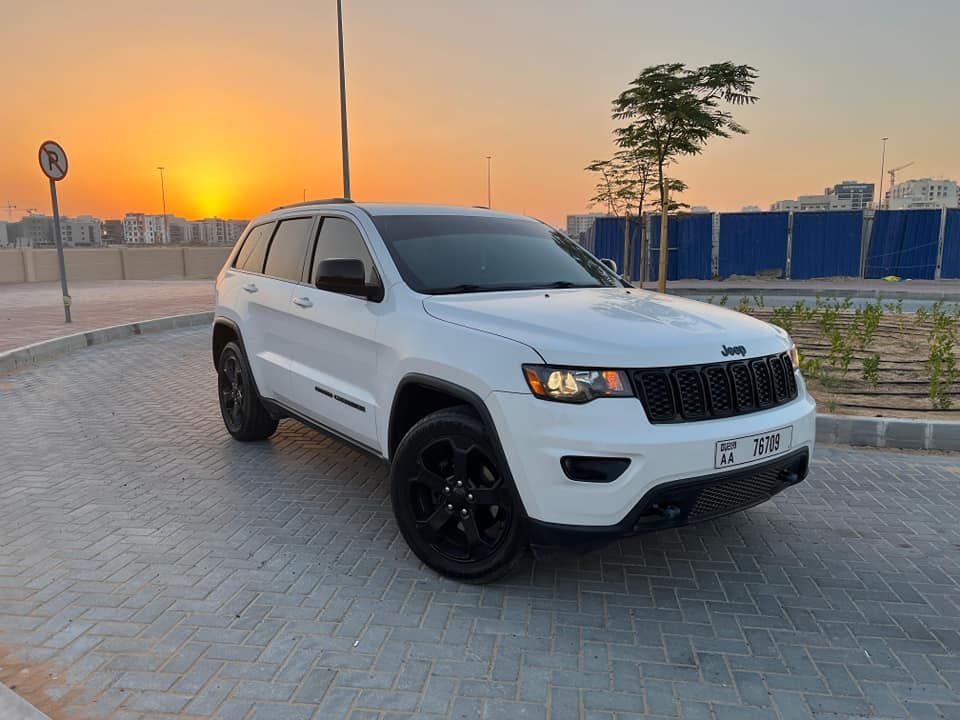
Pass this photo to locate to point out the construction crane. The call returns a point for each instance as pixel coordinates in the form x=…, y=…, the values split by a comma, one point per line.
x=10, y=208
x=893, y=174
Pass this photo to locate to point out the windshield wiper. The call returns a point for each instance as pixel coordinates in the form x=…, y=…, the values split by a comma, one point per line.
x=568, y=284
x=461, y=288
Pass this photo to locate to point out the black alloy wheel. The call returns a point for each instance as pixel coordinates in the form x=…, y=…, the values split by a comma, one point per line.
x=456, y=508
x=244, y=415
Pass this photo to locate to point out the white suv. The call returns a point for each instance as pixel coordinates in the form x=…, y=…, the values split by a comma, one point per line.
x=521, y=392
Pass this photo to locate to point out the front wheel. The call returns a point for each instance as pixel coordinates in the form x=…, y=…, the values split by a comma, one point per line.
x=455, y=505
x=244, y=415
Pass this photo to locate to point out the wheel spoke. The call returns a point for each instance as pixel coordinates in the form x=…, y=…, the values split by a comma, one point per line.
x=472, y=533
x=436, y=522
x=491, y=496
x=460, y=462
x=426, y=476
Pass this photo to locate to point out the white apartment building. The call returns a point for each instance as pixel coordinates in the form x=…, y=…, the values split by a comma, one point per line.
x=82, y=231
x=141, y=229
x=923, y=193
x=577, y=224
x=5, y=239
x=209, y=231
x=812, y=203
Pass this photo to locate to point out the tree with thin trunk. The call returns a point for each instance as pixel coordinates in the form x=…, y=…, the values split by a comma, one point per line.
x=675, y=110
x=616, y=190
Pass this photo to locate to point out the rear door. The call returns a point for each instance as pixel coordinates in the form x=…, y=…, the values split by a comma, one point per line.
x=275, y=268
x=335, y=346
x=253, y=297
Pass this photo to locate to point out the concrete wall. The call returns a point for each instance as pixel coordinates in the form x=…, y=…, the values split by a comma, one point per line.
x=115, y=263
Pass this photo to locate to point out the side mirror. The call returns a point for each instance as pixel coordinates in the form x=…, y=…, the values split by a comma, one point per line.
x=611, y=265
x=346, y=276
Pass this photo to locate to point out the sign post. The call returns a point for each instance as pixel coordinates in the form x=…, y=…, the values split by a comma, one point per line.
x=53, y=162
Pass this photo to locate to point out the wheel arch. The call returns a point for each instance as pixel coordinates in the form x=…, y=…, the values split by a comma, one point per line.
x=402, y=417
x=224, y=330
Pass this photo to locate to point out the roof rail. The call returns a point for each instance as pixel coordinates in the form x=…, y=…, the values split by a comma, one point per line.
x=322, y=201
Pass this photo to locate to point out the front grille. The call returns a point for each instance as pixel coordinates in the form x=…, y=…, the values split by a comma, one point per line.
x=702, y=392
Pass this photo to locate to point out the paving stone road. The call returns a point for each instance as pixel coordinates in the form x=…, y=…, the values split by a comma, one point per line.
x=159, y=569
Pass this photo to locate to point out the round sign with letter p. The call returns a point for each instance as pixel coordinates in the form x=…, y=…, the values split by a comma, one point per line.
x=53, y=160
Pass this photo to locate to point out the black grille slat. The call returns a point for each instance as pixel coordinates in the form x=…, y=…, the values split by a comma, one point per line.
x=718, y=390
x=779, y=378
x=693, y=401
x=743, y=387
x=657, y=396
x=791, y=379
x=700, y=392
x=761, y=382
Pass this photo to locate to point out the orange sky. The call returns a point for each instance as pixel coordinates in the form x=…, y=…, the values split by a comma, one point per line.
x=239, y=99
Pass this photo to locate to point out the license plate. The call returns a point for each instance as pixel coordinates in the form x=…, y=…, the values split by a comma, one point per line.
x=748, y=448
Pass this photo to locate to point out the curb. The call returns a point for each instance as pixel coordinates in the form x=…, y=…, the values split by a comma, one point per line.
x=14, y=707
x=28, y=355
x=899, y=433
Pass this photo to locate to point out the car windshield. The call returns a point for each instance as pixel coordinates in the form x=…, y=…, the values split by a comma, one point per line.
x=443, y=254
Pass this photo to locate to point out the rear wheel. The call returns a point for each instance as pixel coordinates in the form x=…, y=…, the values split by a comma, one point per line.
x=455, y=505
x=243, y=414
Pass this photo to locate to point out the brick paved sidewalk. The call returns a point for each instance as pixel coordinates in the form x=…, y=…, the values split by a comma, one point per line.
x=151, y=567
x=33, y=312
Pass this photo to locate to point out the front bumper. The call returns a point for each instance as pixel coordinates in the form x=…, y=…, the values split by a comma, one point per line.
x=536, y=435
x=683, y=502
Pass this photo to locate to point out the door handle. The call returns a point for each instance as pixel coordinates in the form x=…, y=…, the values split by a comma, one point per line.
x=303, y=302
x=250, y=288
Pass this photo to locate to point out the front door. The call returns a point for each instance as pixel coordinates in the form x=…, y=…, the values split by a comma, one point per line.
x=334, y=363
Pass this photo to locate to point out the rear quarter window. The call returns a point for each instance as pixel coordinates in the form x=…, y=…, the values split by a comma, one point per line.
x=254, y=250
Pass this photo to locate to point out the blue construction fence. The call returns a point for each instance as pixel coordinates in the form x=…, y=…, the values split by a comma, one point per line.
x=919, y=244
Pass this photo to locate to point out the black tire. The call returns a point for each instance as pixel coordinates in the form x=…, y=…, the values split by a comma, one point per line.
x=456, y=508
x=244, y=415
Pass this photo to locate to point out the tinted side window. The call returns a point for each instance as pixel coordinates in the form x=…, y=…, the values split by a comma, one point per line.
x=250, y=257
x=340, y=239
x=289, y=249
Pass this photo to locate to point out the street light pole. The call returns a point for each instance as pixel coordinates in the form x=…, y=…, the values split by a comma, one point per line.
x=489, y=202
x=883, y=157
x=163, y=197
x=343, y=107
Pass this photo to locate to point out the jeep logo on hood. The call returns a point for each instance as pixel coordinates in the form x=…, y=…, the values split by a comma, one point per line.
x=729, y=350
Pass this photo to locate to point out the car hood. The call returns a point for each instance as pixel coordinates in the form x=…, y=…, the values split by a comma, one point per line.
x=611, y=327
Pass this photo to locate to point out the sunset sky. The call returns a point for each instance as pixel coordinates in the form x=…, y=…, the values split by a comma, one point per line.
x=239, y=99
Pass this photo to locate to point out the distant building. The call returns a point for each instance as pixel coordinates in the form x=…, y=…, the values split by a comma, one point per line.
x=700, y=210
x=859, y=194
x=112, y=231
x=141, y=229
x=812, y=203
x=5, y=240
x=923, y=193
x=235, y=229
x=577, y=224
x=34, y=231
x=178, y=230
x=82, y=231
x=751, y=208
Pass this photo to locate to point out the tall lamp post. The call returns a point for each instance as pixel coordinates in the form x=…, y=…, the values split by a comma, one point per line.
x=163, y=198
x=883, y=157
x=343, y=107
x=489, y=195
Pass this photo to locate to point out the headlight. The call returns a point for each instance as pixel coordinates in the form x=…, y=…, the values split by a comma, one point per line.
x=794, y=356
x=574, y=385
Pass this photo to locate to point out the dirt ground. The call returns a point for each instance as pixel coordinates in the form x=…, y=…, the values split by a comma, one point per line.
x=903, y=377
